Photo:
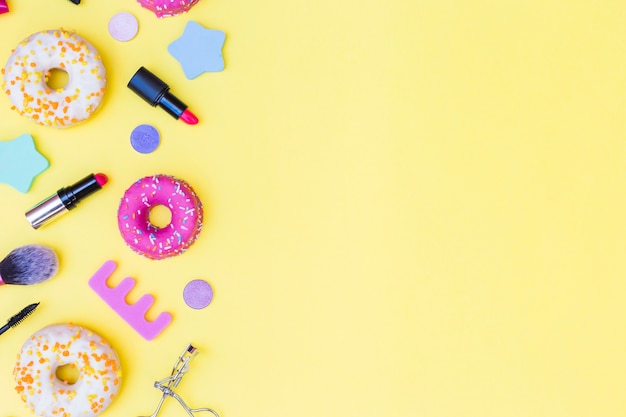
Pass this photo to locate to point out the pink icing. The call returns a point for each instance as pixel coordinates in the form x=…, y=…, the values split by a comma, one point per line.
x=147, y=239
x=166, y=8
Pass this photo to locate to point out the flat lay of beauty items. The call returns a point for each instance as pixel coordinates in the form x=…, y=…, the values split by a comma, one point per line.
x=56, y=79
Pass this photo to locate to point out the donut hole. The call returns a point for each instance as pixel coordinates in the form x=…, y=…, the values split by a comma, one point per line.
x=67, y=373
x=56, y=78
x=160, y=216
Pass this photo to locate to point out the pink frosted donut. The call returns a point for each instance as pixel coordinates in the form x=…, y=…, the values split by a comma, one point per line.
x=146, y=239
x=166, y=8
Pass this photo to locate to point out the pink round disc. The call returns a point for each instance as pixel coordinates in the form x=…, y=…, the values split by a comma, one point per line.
x=123, y=26
x=198, y=294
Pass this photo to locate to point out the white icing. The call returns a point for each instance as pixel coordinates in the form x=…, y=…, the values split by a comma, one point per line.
x=99, y=372
x=25, y=78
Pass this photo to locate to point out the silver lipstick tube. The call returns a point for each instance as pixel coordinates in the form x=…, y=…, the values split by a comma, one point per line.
x=45, y=211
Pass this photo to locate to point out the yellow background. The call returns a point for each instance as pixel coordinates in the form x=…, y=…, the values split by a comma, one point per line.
x=413, y=208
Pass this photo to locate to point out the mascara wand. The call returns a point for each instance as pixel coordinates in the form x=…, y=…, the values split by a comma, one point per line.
x=19, y=317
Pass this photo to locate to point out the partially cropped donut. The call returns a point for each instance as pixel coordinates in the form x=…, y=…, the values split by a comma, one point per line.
x=167, y=8
x=29, y=66
x=98, y=369
x=146, y=239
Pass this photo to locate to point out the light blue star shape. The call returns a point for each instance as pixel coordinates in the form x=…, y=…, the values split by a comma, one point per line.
x=198, y=50
x=20, y=162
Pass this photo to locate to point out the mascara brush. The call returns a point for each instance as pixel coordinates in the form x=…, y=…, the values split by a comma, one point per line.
x=19, y=317
x=29, y=264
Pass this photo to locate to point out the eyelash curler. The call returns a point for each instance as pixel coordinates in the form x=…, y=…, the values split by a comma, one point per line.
x=166, y=385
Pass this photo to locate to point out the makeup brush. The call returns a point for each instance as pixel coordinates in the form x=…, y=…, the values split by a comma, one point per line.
x=19, y=317
x=29, y=264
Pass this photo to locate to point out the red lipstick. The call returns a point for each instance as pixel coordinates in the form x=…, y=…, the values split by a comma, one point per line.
x=157, y=93
x=101, y=179
x=65, y=199
x=189, y=118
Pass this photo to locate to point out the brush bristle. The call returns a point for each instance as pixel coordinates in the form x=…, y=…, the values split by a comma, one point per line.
x=29, y=264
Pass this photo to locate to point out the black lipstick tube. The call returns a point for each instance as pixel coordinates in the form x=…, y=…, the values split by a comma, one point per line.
x=63, y=200
x=156, y=92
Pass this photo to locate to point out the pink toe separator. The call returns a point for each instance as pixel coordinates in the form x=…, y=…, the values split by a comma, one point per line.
x=133, y=314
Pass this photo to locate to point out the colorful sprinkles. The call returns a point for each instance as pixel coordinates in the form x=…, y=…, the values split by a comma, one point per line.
x=141, y=235
x=167, y=8
x=28, y=68
x=99, y=372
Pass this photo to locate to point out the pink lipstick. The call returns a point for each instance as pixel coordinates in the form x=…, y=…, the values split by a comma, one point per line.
x=157, y=93
x=4, y=7
x=189, y=118
x=64, y=200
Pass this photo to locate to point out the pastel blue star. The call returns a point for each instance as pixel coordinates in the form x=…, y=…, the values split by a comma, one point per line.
x=20, y=162
x=198, y=50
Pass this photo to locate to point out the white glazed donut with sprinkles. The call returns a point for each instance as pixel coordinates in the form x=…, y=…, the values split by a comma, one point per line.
x=93, y=359
x=146, y=239
x=28, y=69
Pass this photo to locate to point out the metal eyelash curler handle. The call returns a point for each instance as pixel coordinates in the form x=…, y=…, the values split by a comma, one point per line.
x=181, y=367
